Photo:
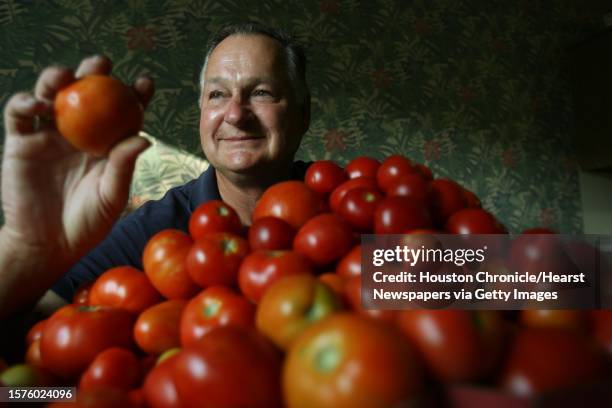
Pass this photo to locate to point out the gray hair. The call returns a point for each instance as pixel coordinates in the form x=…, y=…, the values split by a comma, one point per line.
x=296, y=59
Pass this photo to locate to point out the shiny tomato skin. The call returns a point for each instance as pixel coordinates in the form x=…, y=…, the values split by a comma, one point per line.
x=352, y=297
x=445, y=197
x=260, y=269
x=471, y=199
x=114, y=367
x=601, y=329
x=74, y=335
x=423, y=171
x=215, y=259
x=456, y=345
x=242, y=370
x=339, y=192
x=392, y=168
x=292, y=304
x=469, y=221
x=32, y=356
x=358, y=206
x=395, y=215
x=323, y=239
x=81, y=296
x=35, y=331
x=124, y=287
x=270, y=233
x=95, y=112
x=157, y=329
x=362, y=166
x=323, y=176
x=576, y=320
x=163, y=261
x=336, y=283
x=291, y=201
x=350, y=264
x=213, y=216
x=159, y=387
x=542, y=360
x=215, y=306
x=350, y=361
x=408, y=185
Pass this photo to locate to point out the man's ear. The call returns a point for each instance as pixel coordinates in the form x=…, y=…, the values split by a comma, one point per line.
x=306, y=114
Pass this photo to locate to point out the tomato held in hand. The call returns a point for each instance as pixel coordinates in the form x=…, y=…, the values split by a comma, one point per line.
x=270, y=233
x=291, y=201
x=114, y=367
x=214, y=216
x=124, y=287
x=324, y=176
x=324, y=239
x=163, y=260
x=350, y=361
x=158, y=328
x=215, y=259
x=362, y=166
x=214, y=307
x=95, y=112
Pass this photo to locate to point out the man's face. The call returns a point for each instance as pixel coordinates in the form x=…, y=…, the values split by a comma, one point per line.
x=249, y=118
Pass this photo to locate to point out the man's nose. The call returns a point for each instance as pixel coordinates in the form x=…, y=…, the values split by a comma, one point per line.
x=238, y=111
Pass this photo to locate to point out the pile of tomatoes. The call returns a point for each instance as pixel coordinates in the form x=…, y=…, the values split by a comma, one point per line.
x=271, y=315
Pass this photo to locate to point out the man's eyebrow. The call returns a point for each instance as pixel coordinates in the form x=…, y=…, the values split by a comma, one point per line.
x=250, y=80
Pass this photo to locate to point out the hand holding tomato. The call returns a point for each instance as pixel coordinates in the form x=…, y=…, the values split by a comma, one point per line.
x=58, y=201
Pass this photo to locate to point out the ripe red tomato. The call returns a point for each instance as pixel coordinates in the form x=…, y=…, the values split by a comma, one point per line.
x=362, y=166
x=270, y=233
x=74, y=335
x=114, y=367
x=260, y=269
x=160, y=386
x=214, y=307
x=555, y=319
x=163, y=260
x=358, y=206
x=158, y=328
x=81, y=296
x=391, y=169
x=95, y=112
x=229, y=367
x=123, y=287
x=423, y=171
x=456, y=345
x=350, y=264
x=338, y=194
x=601, y=326
x=324, y=176
x=32, y=356
x=35, y=332
x=350, y=361
x=471, y=199
x=409, y=185
x=291, y=201
x=544, y=359
x=352, y=297
x=215, y=259
x=396, y=215
x=336, y=283
x=214, y=216
x=469, y=221
x=324, y=239
x=445, y=197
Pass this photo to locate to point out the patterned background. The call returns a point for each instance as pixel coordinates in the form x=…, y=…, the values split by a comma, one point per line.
x=477, y=90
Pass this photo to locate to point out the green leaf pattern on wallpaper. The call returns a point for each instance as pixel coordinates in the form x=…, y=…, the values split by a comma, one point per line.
x=477, y=90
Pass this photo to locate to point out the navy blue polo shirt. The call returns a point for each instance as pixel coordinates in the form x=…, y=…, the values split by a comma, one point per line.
x=125, y=243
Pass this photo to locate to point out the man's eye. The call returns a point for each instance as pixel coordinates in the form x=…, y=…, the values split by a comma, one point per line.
x=215, y=94
x=262, y=92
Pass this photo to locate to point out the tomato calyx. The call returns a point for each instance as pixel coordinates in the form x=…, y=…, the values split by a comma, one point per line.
x=211, y=308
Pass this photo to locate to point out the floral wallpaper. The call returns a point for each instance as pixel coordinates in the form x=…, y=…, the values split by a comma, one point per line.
x=478, y=90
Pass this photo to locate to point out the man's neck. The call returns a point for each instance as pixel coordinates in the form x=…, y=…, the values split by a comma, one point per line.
x=242, y=192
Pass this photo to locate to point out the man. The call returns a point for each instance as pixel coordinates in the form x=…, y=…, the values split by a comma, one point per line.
x=255, y=108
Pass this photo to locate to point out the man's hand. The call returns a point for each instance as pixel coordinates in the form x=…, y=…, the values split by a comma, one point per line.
x=58, y=202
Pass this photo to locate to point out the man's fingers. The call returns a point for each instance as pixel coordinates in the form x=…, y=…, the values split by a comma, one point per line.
x=144, y=88
x=98, y=64
x=50, y=81
x=117, y=174
x=20, y=113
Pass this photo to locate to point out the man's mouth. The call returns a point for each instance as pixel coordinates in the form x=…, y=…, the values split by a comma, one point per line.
x=239, y=138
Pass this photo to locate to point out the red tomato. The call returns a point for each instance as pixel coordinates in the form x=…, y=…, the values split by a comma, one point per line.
x=408, y=185
x=395, y=215
x=214, y=216
x=229, y=367
x=358, y=206
x=469, y=221
x=543, y=360
x=215, y=306
x=158, y=328
x=81, y=296
x=291, y=305
x=324, y=176
x=291, y=201
x=456, y=345
x=423, y=171
x=350, y=264
x=32, y=356
x=35, y=332
x=160, y=386
x=215, y=259
x=350, y=361
x=391, y=169
x=270, y=233
x=335, y=282
x=362, y=166
x=163, y=260
x=601, y=325
x=74, y=335
x=555, y=319
x=323, y=239
x=114, y=367
x=338, y=194
x=445, y=197
x=352, y=293
x=98, y=398
x=471, y=199
x=260, y=269
x=95, y=112
x=123, y=287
